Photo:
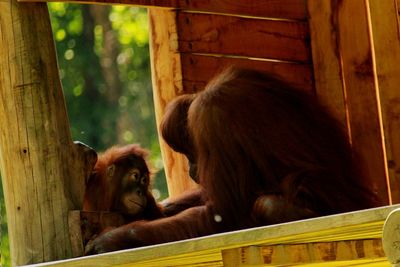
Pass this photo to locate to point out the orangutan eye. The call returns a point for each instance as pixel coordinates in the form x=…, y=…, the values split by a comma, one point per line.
x=135, y=175
x=143, y=180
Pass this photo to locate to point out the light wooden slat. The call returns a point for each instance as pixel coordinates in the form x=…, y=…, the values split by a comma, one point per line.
x=197, y=70
x=287, y=9
x=398, y=13
x=357, y=225
x=326, y=58
x=249, y=37
x=361, y=94
x=306, y=253
x=167, y=84
x=384, y=20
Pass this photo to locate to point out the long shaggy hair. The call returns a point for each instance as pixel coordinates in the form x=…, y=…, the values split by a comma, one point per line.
x=253, y=134
x=173, y=126
x=100, y=191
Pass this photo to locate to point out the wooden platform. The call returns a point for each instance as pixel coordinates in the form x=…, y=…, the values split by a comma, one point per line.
x=347, y=239
x=345, y=52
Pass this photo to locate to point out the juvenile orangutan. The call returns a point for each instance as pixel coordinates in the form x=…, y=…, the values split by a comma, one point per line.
x=120, y=183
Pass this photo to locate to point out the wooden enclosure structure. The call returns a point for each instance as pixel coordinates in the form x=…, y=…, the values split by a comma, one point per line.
x=345, y=51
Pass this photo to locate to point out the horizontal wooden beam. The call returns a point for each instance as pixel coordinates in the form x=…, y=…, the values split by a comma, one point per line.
x=206, y=251
x=248, y=37
x=304, y=253
x=198, y=69
x=287, y=9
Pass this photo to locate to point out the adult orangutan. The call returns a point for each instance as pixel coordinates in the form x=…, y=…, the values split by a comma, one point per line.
x=174, y=130
x=265, y=153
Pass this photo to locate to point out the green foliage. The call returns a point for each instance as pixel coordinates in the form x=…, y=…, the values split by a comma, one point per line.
x=93, y=120
x=4, y=246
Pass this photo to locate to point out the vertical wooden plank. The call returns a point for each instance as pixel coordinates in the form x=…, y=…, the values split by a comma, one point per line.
x=252, y=256
x=386, y=37
x=361, y=94
x=36, y=149
x=326, y=57
x=244, y=256
x=231, y=257
x=167, y=84
x=74, y=224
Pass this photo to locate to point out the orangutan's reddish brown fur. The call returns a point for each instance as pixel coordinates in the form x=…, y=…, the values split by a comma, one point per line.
x=265, y=153
x=120, y=183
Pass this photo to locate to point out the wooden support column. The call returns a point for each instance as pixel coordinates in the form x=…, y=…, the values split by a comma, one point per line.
x=391, y=237
x=346, y=80
x=386, y=38
x=326, y=58
x=361, y=91
x=167, y=84
x=36, y=151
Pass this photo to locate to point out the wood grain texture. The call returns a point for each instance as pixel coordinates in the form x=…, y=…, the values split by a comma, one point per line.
x=326, y=57
x=36, y=150
x=361, y=94
x=81, y=162
x=386, y=37
x=197, y=70
x=206, y=251
x=167, y=84
x=288, y=9
x=391, y=237
x=84, y=225
x=74, y=225
x=305, y=253
x=398, y=5
x=398, y=14
x=249, y=37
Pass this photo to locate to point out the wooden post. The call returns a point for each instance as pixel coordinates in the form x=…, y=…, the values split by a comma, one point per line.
x=346, y=81
x=386, y=38
x=36, y=151
x=391, y=237
x=361, y=91
x=326, y=58
x=167, y=84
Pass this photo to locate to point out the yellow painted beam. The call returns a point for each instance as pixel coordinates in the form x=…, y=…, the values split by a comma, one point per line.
x=206, y=251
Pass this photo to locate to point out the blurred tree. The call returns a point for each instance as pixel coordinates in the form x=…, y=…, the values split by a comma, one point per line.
x=104, y=60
